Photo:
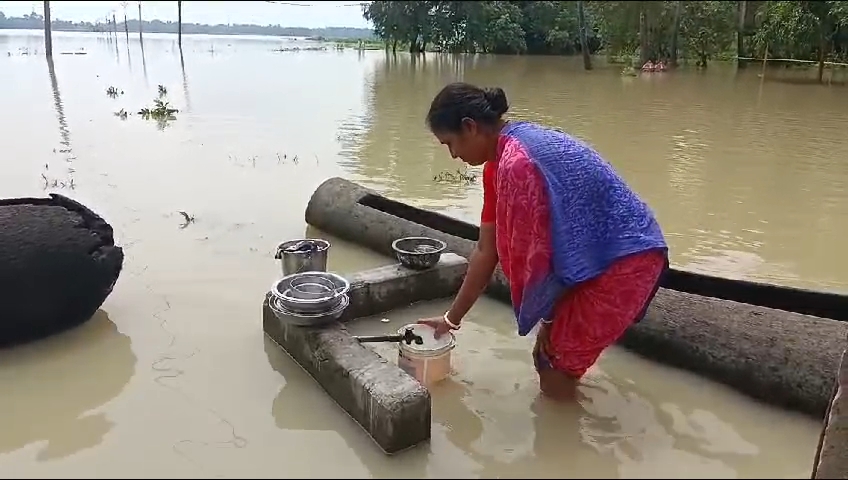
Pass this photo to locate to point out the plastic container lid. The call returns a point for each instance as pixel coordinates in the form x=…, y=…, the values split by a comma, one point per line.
x=432, y=347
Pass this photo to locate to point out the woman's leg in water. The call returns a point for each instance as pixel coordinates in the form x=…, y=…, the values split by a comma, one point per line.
x=591, y=317
x=554, y=384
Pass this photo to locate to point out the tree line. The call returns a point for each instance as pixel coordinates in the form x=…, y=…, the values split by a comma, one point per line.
x=643, y=30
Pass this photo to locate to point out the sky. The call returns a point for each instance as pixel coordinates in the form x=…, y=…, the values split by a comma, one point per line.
x=287, y=14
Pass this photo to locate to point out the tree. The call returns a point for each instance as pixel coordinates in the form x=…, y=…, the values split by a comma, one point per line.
x=792, y=28
x=701, y=30
x=708, y=27
x=675, y=34
x=742, y=10
x=389, y=22
x=584, y=42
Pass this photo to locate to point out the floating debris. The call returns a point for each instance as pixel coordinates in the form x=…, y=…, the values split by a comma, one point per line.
x=189, y=219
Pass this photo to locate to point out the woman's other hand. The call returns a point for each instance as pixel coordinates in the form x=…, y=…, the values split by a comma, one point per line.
x=438, y=324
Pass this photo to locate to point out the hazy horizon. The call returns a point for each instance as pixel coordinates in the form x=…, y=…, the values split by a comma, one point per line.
x=286, y=14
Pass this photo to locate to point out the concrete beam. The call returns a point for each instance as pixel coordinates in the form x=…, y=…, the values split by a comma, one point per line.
x=388, y=403
x=386, y=288
x=780, y=357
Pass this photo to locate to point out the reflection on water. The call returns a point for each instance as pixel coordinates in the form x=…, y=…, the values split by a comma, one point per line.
x=143, y=59
x=53, y=389
x=65, y=139
x=742, y=188
x=185, y=82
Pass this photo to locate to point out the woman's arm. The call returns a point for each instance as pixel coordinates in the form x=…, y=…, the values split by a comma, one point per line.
x=481, y=266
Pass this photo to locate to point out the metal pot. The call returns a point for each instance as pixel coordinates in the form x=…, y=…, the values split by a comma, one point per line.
x=310, y=292
x=418, y=253
x=317, y=319
x=305, y=255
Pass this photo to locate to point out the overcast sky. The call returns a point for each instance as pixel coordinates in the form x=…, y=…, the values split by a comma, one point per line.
x=287, y=14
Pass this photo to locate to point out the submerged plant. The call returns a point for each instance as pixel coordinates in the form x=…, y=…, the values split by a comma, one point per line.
x=162, y=112
x=462, y=177
x=113, y=92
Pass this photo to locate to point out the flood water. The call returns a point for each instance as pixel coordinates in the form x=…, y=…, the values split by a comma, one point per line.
x=174, y=376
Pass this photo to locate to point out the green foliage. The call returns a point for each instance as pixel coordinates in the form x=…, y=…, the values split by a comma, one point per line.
x=478, y=27
x=800, y=29
x=705, y=29
x=708, y=28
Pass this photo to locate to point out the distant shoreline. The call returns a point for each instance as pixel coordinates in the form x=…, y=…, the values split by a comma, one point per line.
x=36, y=22
x=316, y=38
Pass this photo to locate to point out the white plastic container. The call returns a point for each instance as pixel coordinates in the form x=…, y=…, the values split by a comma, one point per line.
x=429, y=362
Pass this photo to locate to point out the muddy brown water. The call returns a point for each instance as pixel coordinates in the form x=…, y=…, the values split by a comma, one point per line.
x=174, y=376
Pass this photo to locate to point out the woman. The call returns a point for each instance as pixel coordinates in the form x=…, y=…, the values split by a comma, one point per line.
x=582, y=253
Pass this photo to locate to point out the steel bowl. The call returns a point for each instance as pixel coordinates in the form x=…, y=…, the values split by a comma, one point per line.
x=310, y=292
x=319, y=319
x=418, y=253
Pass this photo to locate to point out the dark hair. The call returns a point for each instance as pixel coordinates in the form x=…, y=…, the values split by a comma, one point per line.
x=462, y=100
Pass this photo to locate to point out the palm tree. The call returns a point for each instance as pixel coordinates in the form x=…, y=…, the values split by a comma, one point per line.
x=48, y=35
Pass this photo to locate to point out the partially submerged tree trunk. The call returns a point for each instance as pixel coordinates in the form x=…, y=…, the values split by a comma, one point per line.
x=644, y=50
x=822, y=55
x=740, y=33
x=584, y=42
x=48, y=34
x=675, y=34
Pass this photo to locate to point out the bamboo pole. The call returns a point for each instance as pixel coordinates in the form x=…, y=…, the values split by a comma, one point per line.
x=48, y=33
x=180, y=24
x=126, y=25
x=139, y=20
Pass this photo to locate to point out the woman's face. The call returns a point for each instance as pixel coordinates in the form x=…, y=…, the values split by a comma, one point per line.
x=469, y=144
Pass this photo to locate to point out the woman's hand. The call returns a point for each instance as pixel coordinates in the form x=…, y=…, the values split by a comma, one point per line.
x=438, y=324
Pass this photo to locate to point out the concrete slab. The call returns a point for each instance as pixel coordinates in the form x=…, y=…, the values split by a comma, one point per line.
x=384, y=400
